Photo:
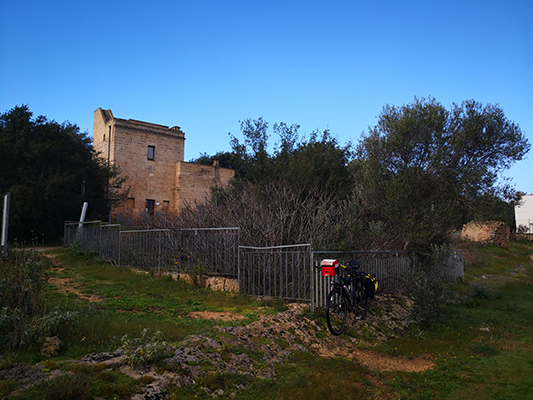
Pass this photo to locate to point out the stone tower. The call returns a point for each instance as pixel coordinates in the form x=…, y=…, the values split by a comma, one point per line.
x=151, y=158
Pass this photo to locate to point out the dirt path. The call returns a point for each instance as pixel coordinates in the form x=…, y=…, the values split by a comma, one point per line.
x=67, y=285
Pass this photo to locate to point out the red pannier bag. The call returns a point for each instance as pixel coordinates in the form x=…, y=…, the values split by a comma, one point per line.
x=328, y=267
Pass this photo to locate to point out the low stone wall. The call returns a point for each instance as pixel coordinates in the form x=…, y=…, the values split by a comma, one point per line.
x=521, y=237
x=490, y=232
x=216, y=283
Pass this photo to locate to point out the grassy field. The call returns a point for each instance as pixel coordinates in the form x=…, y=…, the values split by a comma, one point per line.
x=481, y=345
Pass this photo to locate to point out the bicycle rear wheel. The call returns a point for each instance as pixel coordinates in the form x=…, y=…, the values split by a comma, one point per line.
x=336, y=311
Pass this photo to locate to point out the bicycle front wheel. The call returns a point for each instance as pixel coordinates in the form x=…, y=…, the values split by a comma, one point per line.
x=336, y=311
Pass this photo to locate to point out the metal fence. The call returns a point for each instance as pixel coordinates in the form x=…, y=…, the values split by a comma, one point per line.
x=389, y=268
x=200, y=251
x=287, y=272
x=281, y=271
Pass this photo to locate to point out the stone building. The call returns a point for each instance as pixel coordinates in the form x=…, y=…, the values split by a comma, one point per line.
x=151, y=158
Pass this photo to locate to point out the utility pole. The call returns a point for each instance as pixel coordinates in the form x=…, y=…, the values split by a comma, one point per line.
x=5, y=223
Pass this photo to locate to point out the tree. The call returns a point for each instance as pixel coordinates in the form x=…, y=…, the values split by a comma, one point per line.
x=50, y=170
x=319, y=163
x=322, y=163
x=423, y=170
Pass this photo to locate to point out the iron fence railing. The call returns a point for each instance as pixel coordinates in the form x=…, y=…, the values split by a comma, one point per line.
x=287, y=272
x=212, y=251
x=280, y=271
x=389, y=268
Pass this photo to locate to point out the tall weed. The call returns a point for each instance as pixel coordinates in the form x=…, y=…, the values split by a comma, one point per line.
x=144, y=349
x=23, y=318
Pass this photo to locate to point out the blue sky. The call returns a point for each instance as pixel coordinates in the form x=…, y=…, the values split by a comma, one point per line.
x=206, y=65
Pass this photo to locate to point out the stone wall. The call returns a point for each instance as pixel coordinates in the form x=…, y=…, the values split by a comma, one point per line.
x=194, y=181
x=490, y=232
x=522, y=237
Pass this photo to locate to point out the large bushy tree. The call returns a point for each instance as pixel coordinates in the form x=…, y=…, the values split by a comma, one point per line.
x=50, y=170
x=318, y=165
x=424, y=170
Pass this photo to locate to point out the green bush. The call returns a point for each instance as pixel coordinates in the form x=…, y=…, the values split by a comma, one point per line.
x=144, y=349
x=64, y=387
x=22, y=322
x=75, y=250
x=429, y=286
x=53, y=323
x=21, y=285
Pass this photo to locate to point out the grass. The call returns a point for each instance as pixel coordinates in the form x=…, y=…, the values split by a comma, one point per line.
x=482, y=345
x=131, y=302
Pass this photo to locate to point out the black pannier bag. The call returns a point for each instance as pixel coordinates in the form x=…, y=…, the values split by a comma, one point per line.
x=371, y=285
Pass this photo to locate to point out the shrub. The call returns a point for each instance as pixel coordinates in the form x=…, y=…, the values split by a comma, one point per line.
x=22, y=322
x=144, y=349
x=75, y=251
x=21, y=285
x=65, y=387
x=51, y=324
x=429, y=285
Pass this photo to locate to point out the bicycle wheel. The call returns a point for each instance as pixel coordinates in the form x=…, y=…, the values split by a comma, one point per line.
x=336, y=311
x=361, y=301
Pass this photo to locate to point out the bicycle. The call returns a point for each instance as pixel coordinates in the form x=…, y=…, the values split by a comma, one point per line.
x=353, y=291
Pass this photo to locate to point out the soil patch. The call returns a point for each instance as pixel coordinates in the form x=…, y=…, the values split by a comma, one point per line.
x=67, y=285
x=217, y=316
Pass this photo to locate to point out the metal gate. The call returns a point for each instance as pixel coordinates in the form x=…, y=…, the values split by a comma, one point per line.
x=280, y=271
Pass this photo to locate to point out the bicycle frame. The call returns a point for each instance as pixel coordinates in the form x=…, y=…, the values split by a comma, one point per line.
x=351, y=286
x=346, y=292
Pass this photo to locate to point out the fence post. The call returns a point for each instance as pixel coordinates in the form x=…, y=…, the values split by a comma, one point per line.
x=119, y=246
x=159, y=255
x=239, y=288
x=312, y=277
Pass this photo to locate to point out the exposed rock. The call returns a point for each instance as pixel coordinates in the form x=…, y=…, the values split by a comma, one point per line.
x=111, y=358
x=24, y=374
x=490, y=232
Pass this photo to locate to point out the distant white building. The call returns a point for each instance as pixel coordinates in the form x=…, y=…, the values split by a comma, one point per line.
x=524, y=215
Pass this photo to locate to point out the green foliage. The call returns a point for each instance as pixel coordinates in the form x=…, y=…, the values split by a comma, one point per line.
x=22, y=322
x=50, y=170
x=114, y=385
x=21, y=285
x=429, y=286
x=7, y=386
x=319, y=163
x=53, y=323
x=482, y=292
x=83, y=382
x=75, y=250
x=144, y=349
x=425, y=170
x=472, y=303
x=66, y=387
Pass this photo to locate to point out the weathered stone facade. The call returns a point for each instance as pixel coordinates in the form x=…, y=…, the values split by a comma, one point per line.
x=490, y=232
x=151, y=158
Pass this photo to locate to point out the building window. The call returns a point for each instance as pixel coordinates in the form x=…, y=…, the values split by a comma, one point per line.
x=166, y=205
x=151, y=152
x=150, y=206
x=131, y=203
